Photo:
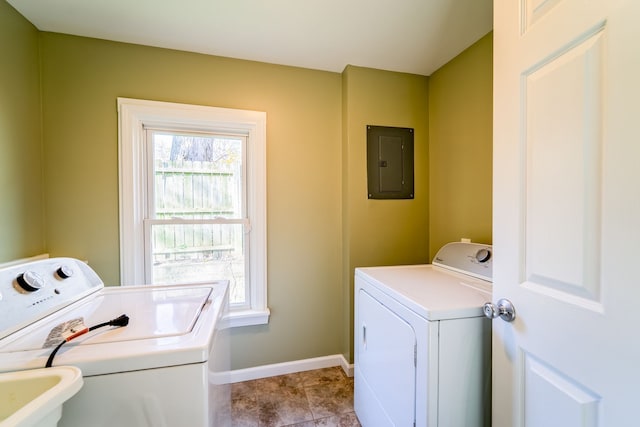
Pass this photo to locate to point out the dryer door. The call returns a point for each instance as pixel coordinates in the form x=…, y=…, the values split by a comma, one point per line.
x=385, y=378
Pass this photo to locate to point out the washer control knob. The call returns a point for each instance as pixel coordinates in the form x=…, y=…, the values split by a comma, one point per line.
x=64, y=272
x=30, y=281
x=483, y=255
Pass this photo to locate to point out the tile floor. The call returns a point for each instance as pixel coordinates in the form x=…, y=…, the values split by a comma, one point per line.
x=323, y=397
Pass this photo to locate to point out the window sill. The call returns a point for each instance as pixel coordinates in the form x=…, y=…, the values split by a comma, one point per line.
x=246, y=318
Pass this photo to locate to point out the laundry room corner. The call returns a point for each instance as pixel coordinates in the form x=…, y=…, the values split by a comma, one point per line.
x=460, y=147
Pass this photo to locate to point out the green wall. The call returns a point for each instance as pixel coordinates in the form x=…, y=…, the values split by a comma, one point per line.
x=21, y=210
x=381, y=232
x=460, y=147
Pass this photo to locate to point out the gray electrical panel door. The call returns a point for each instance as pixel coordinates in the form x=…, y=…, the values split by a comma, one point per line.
x=389, y=162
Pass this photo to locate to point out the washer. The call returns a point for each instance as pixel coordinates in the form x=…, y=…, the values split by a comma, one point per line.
x=422, y=343
x=169, y=366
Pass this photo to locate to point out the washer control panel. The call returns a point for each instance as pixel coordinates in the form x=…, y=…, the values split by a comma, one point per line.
x=31, y=291
x=474, y=259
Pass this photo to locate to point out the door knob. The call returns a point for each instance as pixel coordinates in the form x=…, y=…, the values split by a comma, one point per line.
x=505, y=310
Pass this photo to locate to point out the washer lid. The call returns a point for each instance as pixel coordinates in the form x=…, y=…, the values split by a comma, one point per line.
x=170, y=326
x=430, y=291
x=154, y=312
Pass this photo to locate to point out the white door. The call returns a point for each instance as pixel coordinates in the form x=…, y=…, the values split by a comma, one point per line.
x=567, y=212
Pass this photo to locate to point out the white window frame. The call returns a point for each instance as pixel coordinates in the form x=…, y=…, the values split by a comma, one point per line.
x=134, y=115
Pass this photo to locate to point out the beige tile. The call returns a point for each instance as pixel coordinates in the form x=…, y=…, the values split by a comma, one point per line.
x=242, y=402
x=243, y=388
x=323, y=376
x=323, y=397
x=244, y=405
x=344, y=420
x=326, y=400
x=280, y=403
x=274, y=383
x=304, y=424
x=282, y=413
x=245, y=419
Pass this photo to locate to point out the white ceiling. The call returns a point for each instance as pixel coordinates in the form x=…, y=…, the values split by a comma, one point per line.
x=413, y=36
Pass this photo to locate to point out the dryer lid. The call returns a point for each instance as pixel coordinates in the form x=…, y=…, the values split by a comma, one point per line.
x=430, y=291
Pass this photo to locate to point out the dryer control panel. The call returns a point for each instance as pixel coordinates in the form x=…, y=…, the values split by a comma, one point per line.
x=31, y=291
x=474, y=259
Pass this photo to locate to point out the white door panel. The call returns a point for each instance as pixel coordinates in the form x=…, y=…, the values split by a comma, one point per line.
x=566, y=212
x=553, y=400
x=562, y=165
x=386, y=359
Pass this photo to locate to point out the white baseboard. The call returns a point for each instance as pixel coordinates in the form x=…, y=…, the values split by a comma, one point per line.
x=346, y=366
x=238, y=375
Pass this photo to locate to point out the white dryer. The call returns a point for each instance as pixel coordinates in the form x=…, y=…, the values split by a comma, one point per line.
x=422, y=343
x=168, y=367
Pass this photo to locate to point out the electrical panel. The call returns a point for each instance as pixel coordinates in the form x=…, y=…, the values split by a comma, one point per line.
x=389, y=162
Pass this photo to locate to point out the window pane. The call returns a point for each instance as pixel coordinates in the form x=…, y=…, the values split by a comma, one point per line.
x=195, y=253
x=197, y=177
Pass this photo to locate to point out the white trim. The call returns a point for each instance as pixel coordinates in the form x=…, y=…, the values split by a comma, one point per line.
x=347, y=367
x=265, y=371
x=133, y=116
x=246, y=318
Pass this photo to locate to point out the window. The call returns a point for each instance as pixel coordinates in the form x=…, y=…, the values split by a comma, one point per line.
x=196, y=216
x=193, y=199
